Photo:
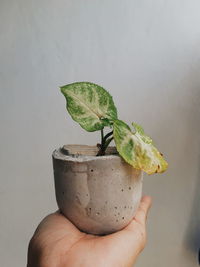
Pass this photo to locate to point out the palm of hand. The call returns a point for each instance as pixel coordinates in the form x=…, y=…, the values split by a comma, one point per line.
x=58, y=243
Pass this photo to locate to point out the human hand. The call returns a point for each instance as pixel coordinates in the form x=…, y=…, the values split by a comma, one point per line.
x=58, y=243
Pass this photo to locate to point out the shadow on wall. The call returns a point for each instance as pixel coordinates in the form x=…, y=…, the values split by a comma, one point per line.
x=192, y=236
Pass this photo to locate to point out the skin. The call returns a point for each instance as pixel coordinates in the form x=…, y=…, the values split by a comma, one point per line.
x=58, y=243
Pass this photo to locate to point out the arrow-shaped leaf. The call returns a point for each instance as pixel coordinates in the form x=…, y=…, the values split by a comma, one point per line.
x=90, y=105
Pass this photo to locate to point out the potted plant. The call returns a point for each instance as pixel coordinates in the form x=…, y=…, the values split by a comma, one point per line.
x=98, y=188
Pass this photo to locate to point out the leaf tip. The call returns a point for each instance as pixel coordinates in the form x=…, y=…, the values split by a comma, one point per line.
x=62, y=88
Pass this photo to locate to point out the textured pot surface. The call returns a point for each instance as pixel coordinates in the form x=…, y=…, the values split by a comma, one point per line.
x=100, y=195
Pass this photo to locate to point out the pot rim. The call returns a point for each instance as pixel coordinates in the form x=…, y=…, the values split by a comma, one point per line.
x=66, y=153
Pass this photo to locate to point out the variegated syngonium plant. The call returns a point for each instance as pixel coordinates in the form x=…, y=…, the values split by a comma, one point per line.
x=93, y=108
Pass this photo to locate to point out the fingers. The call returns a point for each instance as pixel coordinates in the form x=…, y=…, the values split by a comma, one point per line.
x=141, y=214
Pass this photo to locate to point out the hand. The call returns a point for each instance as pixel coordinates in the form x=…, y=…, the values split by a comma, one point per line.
x=58, y=243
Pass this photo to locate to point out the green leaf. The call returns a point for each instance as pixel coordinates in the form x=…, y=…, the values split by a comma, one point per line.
x=90, y=105
x=137, y=149
x=140, y=131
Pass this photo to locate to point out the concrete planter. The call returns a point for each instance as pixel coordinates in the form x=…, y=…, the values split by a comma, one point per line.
x=100, y=195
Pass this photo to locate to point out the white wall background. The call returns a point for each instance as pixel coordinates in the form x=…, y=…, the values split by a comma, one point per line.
x=147, y=54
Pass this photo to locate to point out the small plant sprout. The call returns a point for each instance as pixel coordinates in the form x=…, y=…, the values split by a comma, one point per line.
x=93, y=108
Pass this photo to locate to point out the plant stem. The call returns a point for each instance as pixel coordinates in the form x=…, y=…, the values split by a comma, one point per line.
x=107, y=143
x=104, y=142
x=102, y=136
x=108, y=134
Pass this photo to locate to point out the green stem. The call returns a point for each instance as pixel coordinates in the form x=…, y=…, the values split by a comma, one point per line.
x=104, y=142
x=108, y=134
x=107, y=143
x=102, y=136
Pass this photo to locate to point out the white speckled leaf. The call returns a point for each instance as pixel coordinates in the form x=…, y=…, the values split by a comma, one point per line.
x=137, y=149
x=140, y=131
x=90, y=105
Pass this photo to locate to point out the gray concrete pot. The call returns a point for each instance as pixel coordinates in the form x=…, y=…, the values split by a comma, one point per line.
x=100, y=195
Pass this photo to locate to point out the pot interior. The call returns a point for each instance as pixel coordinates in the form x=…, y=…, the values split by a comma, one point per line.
x=86, y=150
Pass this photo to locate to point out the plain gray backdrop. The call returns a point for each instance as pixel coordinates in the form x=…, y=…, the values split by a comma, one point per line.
x=147, y=54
